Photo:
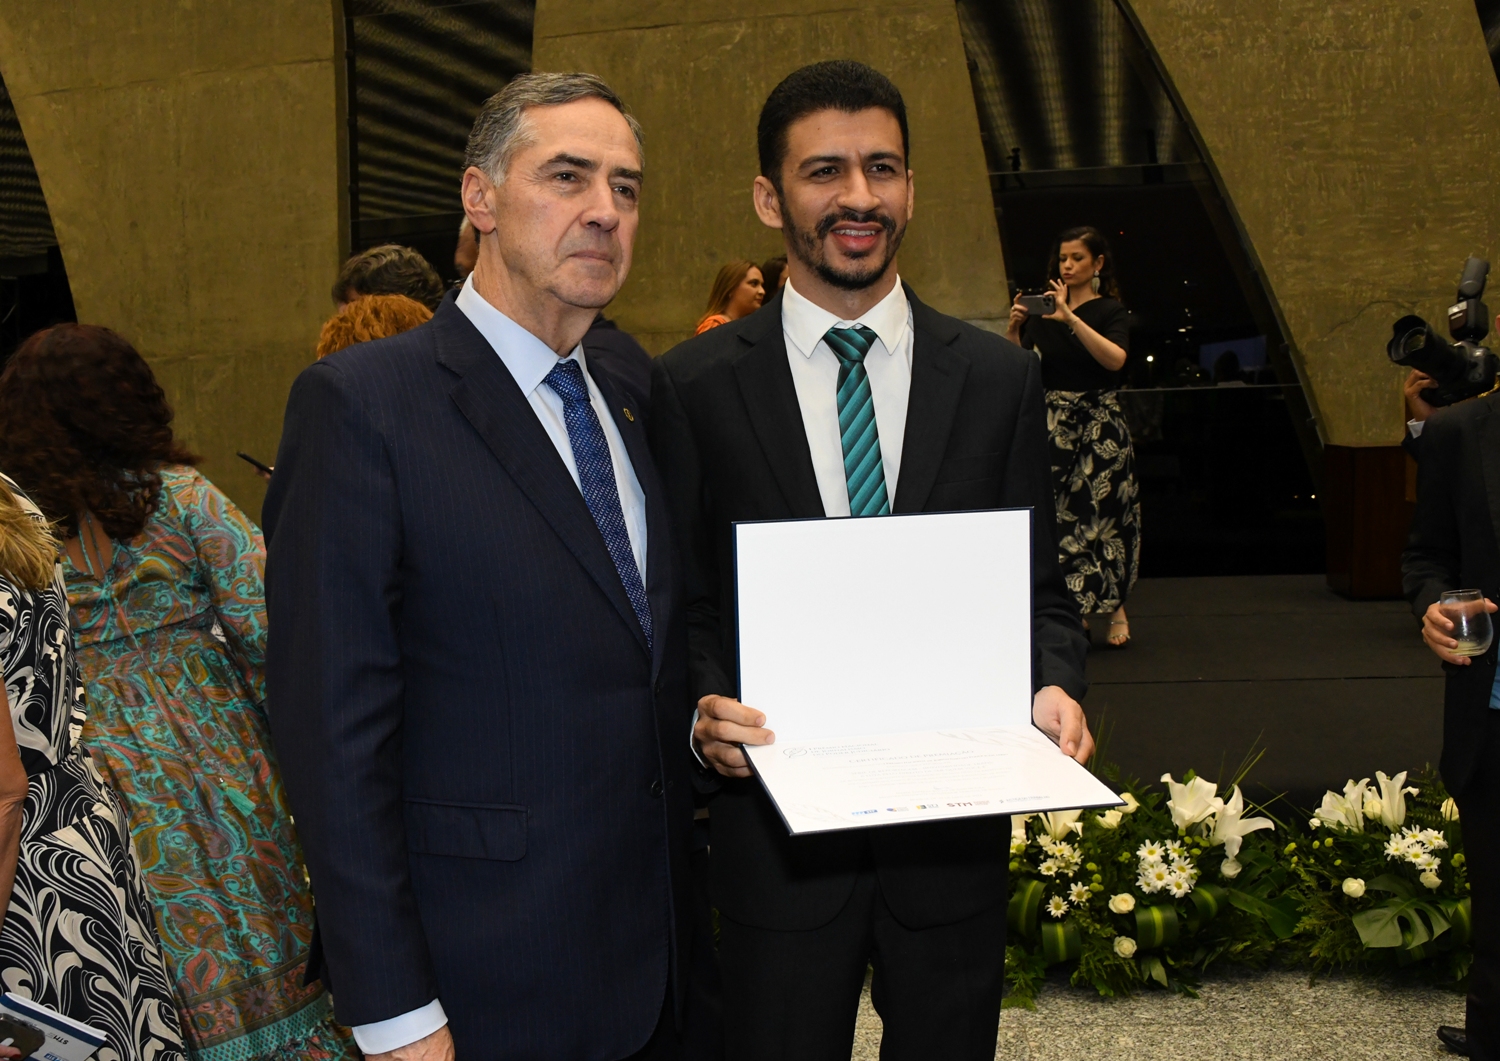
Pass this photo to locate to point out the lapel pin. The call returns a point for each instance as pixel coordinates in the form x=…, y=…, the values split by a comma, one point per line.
x=629, y=415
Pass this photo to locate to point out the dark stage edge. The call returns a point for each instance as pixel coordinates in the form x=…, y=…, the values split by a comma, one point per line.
x=1331, y=689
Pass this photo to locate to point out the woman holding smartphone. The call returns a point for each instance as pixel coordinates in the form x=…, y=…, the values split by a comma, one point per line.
x=1083, y=344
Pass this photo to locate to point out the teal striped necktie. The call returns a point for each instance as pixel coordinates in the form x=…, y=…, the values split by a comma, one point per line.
x=863, y=471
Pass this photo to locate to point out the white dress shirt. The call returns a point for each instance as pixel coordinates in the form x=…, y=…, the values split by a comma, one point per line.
x=815, y=373
x=528, y=360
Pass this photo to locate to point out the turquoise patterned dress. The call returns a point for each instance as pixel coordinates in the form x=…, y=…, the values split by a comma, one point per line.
x=171, y=643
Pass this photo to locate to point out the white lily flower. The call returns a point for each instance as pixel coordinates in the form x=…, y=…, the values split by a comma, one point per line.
x=1346, y=811
x=1374, y=808
x=1018, y=827
x=1393, y=799
x=1193, y=802
x=1131, y=803
x=1449, y=810
x=1110, y=819
x=1060, y=823
x=1230, y=829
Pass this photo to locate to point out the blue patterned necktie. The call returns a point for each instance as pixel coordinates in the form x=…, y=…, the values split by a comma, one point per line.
x=596, y=477
x=864, y=473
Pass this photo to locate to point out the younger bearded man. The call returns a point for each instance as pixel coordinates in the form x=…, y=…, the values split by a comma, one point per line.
x=939, y=416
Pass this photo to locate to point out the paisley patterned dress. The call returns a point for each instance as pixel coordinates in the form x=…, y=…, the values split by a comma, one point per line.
x=78, y=935
x=172, y=645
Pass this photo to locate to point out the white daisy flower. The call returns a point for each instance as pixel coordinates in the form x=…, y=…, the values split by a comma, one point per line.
x=1057, y=906
x=1179, y=885
x=1150, y=851
x=1175, y=849
x=1433, y=839
x=1079, y=894
x=1427, y=861
x=1153, y=878
x=1048, y=868
x=1396, y=847
x=1018, y=846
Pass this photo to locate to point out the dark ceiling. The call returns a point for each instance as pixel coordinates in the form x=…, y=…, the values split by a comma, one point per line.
x=25, y=225
x=1067, y=86
x=419, y=71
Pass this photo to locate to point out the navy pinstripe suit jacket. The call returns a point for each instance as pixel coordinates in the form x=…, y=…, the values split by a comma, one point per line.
x=489, y=771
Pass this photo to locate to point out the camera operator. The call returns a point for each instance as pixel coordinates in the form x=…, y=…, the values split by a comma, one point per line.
x=1452, y=546
x=1081, y=332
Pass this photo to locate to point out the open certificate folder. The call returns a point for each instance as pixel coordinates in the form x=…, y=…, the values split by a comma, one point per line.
x=892, y=658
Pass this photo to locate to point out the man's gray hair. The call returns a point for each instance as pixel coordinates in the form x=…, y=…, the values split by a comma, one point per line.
x=502, y=129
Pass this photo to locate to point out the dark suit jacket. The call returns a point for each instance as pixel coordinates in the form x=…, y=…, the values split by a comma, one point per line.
x=728, y=436
x=489, y=770
x=1453, y=546
x=623, y=359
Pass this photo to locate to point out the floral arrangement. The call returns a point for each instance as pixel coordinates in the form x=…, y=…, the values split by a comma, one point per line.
x=1157, y=891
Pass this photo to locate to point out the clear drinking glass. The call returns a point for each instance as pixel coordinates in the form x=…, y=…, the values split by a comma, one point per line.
x=1471, y=622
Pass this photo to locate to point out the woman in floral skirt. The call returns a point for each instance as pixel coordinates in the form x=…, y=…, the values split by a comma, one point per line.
x=1083, y=344
x=164, y=578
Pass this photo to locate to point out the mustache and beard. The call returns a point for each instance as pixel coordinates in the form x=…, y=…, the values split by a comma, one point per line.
x=807, y=244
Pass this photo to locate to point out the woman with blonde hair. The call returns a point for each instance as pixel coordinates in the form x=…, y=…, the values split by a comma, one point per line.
x=78, y=935
x=738, y=291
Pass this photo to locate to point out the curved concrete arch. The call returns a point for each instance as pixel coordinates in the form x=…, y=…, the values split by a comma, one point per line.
x=191, y=157
x=1355, y=143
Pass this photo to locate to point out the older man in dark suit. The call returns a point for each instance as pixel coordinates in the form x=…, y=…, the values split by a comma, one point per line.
x=845, y=395
x=477, y=665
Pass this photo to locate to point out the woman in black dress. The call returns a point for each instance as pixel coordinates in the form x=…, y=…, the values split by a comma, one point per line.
x=1082, y=346
x=79, y=934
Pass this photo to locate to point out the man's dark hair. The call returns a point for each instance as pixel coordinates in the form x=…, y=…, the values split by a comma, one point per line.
x=389, y=269
x=839, y=84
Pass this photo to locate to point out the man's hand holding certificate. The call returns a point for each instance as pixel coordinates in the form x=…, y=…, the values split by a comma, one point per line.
x=901, y=698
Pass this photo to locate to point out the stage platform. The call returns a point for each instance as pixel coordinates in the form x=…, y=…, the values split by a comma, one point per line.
x=1332, y=689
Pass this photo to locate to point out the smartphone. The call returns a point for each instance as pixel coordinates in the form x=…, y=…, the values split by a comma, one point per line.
x=24, y=1037
x=266, y=468
x=1036, y=306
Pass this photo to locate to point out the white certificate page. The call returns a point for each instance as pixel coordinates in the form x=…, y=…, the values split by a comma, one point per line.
x=892, y=658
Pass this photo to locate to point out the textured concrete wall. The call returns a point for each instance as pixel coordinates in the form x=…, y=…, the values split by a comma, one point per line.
x=1356, y=141
x=190, y=156
x=696, y=75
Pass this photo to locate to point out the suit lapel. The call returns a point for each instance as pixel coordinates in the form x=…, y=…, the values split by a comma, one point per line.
x=658, y=540
x=937, y=382
x=765, y=381
x=488, y=397
x=1489, y=456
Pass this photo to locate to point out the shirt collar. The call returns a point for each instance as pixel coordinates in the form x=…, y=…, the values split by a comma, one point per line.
x=527, y=357
x=805, y=322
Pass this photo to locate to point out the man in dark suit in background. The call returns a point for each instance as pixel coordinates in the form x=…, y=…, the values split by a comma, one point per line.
x=1453, y=545
x=846, y=395
x=477, y=674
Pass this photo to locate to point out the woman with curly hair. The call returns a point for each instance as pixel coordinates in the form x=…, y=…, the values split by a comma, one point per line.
x=165, y=579
x=370, y=317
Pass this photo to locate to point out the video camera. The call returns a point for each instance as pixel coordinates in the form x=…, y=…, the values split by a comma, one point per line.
x=1461, y=369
